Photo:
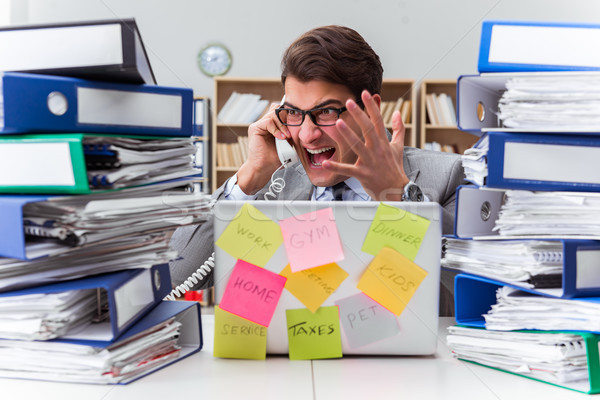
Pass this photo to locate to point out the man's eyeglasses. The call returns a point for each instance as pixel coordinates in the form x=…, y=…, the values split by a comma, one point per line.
x=325, y=116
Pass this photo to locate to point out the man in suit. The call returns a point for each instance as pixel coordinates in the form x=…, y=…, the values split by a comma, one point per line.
x=331, y=115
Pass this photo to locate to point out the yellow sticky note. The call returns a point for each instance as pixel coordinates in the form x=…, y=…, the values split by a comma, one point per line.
x=395, y=228
x=236, y=337
x=391, y=280
x=313, y=286
x=251, y=236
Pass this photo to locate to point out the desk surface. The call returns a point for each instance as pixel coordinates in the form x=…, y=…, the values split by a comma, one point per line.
x=202, y=376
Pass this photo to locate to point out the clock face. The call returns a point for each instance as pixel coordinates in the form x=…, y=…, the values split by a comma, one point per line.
x=214, y=59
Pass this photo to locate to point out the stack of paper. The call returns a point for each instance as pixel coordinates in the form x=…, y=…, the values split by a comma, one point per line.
x=550, y=214
x=524, y=262
x=81, y=220
x=45, y=316
x=474, y=161
x=552, y=357
x=116, y=162
x=552, y=101
x=516, y=309
x=134, y=251
x=171, y=331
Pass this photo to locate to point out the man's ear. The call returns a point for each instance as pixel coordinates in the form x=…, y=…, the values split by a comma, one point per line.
x=377, y=99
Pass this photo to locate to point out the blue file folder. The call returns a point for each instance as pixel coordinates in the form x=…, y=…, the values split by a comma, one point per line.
x=131, y=294
x=45, y=103
x=509, y=46
x=543, y=162
x=475, y=295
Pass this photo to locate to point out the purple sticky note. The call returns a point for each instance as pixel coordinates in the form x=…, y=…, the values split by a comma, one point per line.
x=252, y=292
x=311, y=239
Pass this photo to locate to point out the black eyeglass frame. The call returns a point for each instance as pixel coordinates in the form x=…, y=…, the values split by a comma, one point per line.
x=339, y=112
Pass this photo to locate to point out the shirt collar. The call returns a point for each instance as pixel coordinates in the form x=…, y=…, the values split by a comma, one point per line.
x=359, y=193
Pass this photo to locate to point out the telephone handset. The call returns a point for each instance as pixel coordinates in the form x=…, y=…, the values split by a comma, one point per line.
x=285, y=151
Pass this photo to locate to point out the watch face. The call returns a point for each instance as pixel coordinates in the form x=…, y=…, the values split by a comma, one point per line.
x=214, y=59
x=415, y=193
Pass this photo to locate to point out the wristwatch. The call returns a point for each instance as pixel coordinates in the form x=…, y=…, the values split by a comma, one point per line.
x=412, y=192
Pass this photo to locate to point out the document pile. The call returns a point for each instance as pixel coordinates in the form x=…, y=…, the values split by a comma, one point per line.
x=527, y=236
x=515, y=310
x=548, y=101
x=170, y=332
x=549, y=214
x=95, y=177
x=552, y=357
x=528, y=263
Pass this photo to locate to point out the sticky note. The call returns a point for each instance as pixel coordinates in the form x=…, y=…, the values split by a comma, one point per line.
x=252, y=292
x=398, y=229
x=313, y=336
x=236, y=337
x=311, y=239
x=313, y=286
x=391, y=280
x=251, y=236
x=364, y=321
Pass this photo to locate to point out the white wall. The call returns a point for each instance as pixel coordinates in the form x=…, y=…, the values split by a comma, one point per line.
x=415, y=38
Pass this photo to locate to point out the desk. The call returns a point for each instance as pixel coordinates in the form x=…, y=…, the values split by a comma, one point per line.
x=203, y=377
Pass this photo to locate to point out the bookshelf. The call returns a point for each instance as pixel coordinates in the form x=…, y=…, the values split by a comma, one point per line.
x=272, y=90
x=441, y=133
x=391, y=90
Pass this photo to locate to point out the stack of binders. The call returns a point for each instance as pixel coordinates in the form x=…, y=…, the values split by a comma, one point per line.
x=96, y=172
x=527, y=234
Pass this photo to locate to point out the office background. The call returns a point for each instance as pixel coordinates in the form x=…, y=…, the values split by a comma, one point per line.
x=416, y=39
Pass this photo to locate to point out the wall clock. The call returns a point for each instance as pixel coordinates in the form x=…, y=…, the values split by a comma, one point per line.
x=214, y=59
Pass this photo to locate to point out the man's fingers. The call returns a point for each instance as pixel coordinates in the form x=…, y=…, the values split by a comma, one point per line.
x=398, y=129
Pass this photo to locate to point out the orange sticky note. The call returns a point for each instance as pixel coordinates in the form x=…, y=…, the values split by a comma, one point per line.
x=252, y=292
x=251, y=236
x=311, y=239
x=391, y=280
x=236, y=337
x=313, y=286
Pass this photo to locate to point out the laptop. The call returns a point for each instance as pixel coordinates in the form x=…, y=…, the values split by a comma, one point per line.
x=417, y=324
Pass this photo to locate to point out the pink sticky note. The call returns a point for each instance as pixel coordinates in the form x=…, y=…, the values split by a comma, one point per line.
x=252, y=292
x=311, y=239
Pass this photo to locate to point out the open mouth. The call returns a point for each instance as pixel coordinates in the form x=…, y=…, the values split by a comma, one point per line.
x=317, y=156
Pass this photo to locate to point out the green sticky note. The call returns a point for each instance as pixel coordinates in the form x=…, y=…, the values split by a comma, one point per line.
x=251, y=236
x=236, y=337
x=313, y=336
x=395, y=228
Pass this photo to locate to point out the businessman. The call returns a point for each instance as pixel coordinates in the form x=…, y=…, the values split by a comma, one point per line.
x=331, y=115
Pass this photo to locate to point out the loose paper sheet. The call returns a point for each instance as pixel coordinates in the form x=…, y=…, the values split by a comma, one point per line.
x=313, y=286
x=311, y=239
x=398, y=229
x=236, y=337
x=391, y=280
x=313, y=336
x=252, y=292
x=251, y=236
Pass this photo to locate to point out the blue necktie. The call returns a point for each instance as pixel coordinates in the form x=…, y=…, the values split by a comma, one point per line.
x=338, y=190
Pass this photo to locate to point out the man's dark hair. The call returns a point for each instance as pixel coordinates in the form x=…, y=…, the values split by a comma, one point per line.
x=334, y=54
